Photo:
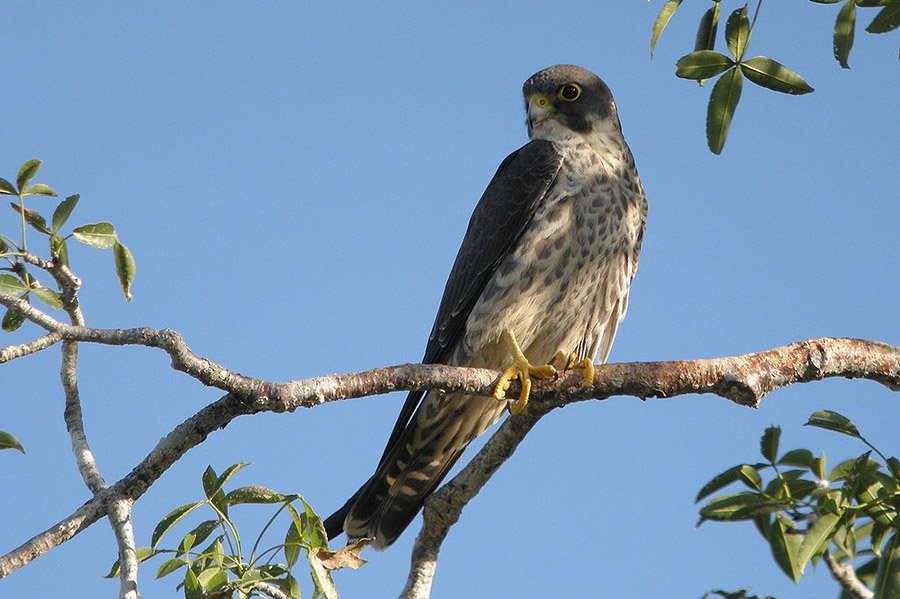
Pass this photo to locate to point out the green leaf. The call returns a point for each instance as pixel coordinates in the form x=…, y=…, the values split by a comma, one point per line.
x=855, y=477
x=738, y=506
x=706, y=31
x=214, y=579
x=39, y=189
x=321, y=576
x=662, y=20
x=315, y=530
x=723, y=480
x=202, y=531
x=59, y=249
x=210, y=481
x=894, y=466
x=870, y=494
x=169, y=566
x=702, y=64
x=216, y=551
x=224, y=477
x=775, y=76
x=842, y=470
x=48, y=296
x=801, y=488
x=293, y=542
x=171, y=519
x=251, y=576
x=737, y=32
x=291, y=586
x=751, y=477
x=820, y=467
x=125, y=268
x=8, y=441
x=27, y=172
x=33, y=218
x=845, y=540
x=98, y=235
x=192, y=587
x=212, y=488
x=62, y=212
x=887, y=580
x=12, y=320
x=186, y=544
x=12, y=285
x=843, y=33
x=141, y=553
x=877, y=538
x=768, y=443
x=785, y=541
x=887, y=19
x=254, y=494
x=817, y=539
x=723, y=100
x=7, y=187
x=797, y=457
x=833, y=421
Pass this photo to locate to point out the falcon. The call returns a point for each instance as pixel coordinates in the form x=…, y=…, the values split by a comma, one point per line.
x=541, y=278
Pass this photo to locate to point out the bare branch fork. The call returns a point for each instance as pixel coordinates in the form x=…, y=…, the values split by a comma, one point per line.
x=743, y=379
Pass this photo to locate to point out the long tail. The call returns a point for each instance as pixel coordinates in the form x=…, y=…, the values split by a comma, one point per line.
x=417, y=460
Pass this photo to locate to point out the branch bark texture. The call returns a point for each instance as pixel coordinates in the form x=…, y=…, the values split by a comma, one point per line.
x=742, y=379
x=845, y=575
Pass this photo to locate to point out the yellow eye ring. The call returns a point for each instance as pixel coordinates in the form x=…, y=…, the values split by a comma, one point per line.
x=569, y=92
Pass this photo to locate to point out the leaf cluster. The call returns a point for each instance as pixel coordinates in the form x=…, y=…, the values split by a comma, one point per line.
x=887, y=19
x=803, y=510
x=223, y=568
x=705, y=62
x=20, y=282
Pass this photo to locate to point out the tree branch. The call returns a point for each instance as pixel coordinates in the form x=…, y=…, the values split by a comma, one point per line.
x=119, y=510
x=743, y=379
x=845, y=575
x=12, y=352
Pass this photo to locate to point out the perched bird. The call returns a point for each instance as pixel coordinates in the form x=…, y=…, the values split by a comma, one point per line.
x=542, y=275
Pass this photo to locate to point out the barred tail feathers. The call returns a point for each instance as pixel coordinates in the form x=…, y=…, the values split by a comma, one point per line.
x=438, y=433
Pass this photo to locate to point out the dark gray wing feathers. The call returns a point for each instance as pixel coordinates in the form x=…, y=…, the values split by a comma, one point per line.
x=501, y=216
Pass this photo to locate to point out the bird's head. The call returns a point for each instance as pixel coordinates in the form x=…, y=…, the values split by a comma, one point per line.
x=566, y=99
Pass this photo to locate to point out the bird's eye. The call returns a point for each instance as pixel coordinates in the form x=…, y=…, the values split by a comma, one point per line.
x=569, y=92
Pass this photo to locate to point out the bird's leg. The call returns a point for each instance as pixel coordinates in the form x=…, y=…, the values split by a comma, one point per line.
x=521, y=369
x=571, y=362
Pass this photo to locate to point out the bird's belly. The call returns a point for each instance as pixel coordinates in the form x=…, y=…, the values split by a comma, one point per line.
x=551, y=292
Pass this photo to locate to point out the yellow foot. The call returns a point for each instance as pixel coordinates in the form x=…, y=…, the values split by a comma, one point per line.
x=521, y=369
x=568, y=362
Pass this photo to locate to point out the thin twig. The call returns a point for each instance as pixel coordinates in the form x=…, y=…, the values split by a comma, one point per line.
x=84, y=457
x=267, y=588
x=12, y=352
x=845, y=575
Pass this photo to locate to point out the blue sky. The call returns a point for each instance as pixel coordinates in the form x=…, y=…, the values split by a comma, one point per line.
x=294, y=180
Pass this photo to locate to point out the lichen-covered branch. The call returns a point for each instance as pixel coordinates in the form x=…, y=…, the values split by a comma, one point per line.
x=119, y=511
x=119, y=508
x=743, y=379
x=845, y=575
x=12, y=352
